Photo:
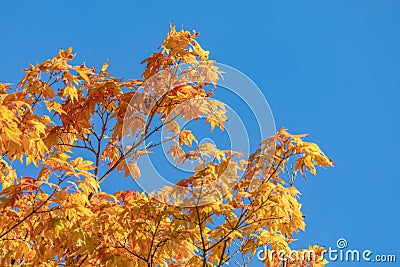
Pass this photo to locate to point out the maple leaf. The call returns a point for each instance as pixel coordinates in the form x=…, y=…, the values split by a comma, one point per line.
x=71, y=92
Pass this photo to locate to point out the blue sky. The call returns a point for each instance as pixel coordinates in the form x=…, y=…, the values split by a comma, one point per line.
x=328, y=68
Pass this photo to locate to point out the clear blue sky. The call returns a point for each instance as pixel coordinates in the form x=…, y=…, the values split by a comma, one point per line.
x=329, y=68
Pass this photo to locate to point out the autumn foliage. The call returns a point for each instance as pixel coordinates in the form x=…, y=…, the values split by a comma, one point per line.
x=66, y=123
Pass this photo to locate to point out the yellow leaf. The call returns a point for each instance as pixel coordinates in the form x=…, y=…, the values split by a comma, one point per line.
x=105, y=66
x=186, y=137
x=72, y=92
x=134, y=170
x=52, y=105
x=83, y=75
